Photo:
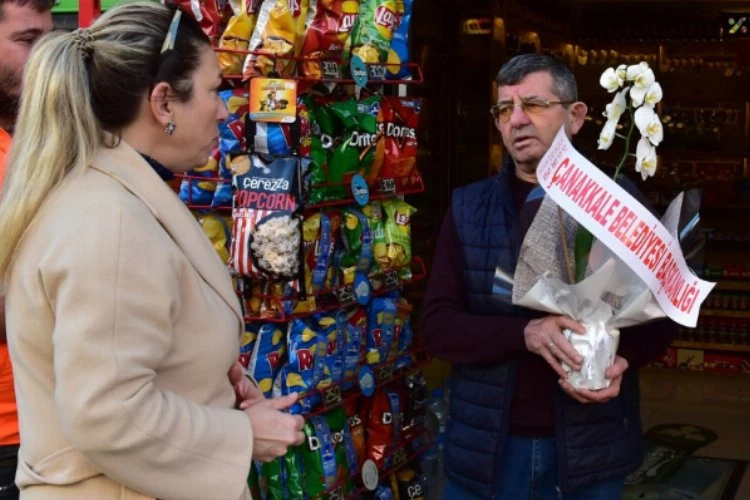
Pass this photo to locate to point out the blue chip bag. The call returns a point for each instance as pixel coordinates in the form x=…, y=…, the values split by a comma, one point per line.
x=223, y=195
x=247, y=343
x=306, y=366
x=399, y=52
x=381, y=321
x=334, y=330
x=356, y=329
x=195, y=191
x=232, y=130
x=267, y=356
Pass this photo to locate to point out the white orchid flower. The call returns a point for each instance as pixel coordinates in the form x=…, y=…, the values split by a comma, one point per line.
x=607, y=135
x=654, y=95
x=622, y=73
x=617, y=107
x=648, y=124
x=645, y=155
x=632, y=72
x=610, y=81
x=641, y=85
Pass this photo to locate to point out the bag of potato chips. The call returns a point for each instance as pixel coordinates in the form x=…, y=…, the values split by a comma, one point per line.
x=396, y=154
x=278, y=34
x=399, y=53
x=373, y=32
x=267, y=356
x=237, y=37
x=327, y=36
x=397, y=235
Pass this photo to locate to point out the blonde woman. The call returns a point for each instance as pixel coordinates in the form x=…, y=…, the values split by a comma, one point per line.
x=122, y=321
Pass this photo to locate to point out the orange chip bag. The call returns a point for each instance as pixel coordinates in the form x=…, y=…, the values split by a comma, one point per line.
x=327, y=36
x=237, y=37
x=278, y=34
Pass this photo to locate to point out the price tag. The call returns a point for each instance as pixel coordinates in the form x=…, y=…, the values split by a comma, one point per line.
x=385, y=373
x=370, y=475
x=345, y=295
x=330, y=70
x=362, y=288
x=360, y=190
x=399, y=458
x=377, y=71
x=366, y=380
x=387, y=186
x=337, y=494
x=332, y=396
x=392, y=279
x=359, y=71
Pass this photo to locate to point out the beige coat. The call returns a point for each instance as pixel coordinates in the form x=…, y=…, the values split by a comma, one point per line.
x=123, y=324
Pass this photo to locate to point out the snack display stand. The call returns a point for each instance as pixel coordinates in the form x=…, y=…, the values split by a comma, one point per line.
x=321, y=258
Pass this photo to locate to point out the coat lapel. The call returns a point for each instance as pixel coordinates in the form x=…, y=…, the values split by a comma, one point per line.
x=129, y=168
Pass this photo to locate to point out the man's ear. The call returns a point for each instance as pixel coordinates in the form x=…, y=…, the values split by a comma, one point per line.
x=577, y=112
x=160, y=103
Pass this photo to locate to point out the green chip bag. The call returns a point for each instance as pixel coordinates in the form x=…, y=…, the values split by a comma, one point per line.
x=397, y=235
x=346, y=460
x=292, y=469
x=374, y=28
x=272, y=481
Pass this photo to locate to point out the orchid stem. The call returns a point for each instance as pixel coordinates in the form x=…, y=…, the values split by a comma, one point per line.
x=627, y=142
x=620, y=136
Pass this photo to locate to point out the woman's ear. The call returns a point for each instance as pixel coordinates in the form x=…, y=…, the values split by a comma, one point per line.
x=160, y=103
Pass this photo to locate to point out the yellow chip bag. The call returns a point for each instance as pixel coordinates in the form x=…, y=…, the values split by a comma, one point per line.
x=237, y=37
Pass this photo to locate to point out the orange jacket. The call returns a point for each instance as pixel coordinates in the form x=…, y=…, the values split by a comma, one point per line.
x=8, y=411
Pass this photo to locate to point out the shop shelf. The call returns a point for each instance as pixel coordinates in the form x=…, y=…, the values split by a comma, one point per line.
x=725, y=313
x=711, y=346
x=735, y=285
x=337, y=297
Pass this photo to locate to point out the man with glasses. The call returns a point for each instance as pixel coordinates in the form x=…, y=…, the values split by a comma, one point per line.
x=517, y=429
x=22, y=23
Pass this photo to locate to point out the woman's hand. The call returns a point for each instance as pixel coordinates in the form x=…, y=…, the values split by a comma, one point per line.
x=246, y=392
x=273, y=430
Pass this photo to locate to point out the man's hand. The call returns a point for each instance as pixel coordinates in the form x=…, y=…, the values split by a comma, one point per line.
x=246, y=392
x=544, y=336
x=614, y=374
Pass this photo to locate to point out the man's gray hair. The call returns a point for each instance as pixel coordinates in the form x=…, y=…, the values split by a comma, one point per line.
x=563, y=82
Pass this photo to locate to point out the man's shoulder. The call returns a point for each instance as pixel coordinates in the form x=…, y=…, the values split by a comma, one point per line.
x=476, y=187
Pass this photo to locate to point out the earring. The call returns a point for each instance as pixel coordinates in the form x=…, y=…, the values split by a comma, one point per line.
x=169, y=129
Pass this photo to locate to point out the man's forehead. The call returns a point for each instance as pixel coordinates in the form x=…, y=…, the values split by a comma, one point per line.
x=16, y=18
x=537, y=84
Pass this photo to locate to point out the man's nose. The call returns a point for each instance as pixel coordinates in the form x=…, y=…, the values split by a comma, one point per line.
x=518, y=117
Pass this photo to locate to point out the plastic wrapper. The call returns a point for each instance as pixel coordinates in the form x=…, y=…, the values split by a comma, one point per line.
x=346, y=457
x=380, y=429
x=396, y=153
x=383, y=492
x=272, y=482
x=399, y=53
x=326, y=37
x=611, y=297
x=293, y=479
x=206, y=12
x=356, y=152
x=232, y=130
x=267, y=356
x=373, y=31
x=356, y=330
x=267, y=232
x=357, y=239
x=397, y=237
x=331, y=327
x=278, y=34
x=247, y=343
x=198, y=192
x=318, y=457
x=410, y=484
x=217, y=230
x=380, y=324
x=236, y=36
x=418, y=397
x=306, y=369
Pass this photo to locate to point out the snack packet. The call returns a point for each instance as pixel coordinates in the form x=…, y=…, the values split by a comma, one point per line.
x=329, y=327
x=292, y=477
x=373, y=32
x=399, y=52
x=356, y=327
x=272, y=479
x=267, y=356
x=356, y=423
x=357, y=239
x=346, y=456
x=197, y=192
x=356, y=152
x=206, y=12
x=380, y=429
x=380, y=324
x=410, y=484
x=396, y=155
x=236, y=36
x=247, y=343
x=397, y=235
x=217, y=231
x=306, y=368
x=326, y=37
x=318, y=457
x=418, y=397
x=278, y=34
x=266, y=236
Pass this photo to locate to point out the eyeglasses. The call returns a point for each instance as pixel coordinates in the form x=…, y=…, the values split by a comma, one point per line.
x=171, y=36
x=530, y=106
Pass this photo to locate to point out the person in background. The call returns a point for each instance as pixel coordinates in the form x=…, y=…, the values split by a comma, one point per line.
x=517, y=428
x=122, y=322
x=22, y=23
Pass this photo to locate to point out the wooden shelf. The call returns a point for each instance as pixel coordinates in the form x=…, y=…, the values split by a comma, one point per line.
x=725, y=313
x=735, y=285
x=711, y=346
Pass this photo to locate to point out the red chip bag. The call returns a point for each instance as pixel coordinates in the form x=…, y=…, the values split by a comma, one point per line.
x=327, y=35
x=206, y=12
x=396, y=153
